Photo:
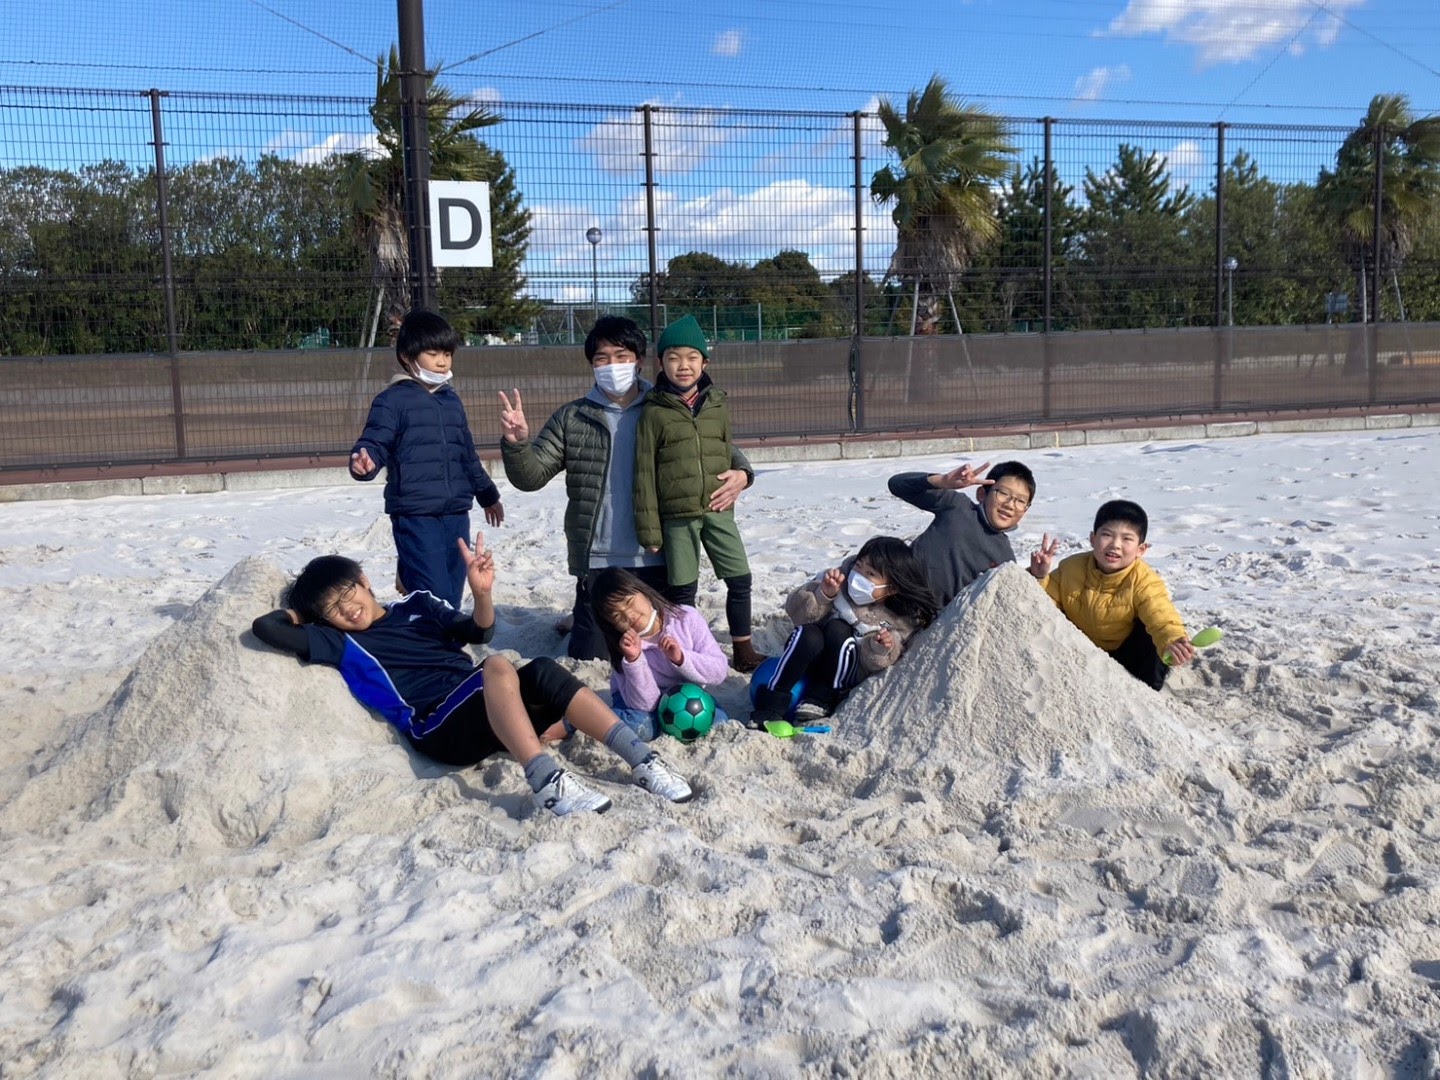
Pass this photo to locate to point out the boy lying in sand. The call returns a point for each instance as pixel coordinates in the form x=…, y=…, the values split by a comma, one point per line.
x=407, y=661
x=1117, y=600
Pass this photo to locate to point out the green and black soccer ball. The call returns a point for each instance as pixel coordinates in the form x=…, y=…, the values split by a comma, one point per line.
x=687, y=712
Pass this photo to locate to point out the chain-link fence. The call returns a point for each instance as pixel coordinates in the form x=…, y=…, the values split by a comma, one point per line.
x=173, y=268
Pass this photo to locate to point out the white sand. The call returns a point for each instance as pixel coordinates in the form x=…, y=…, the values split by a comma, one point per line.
x=1009, y=858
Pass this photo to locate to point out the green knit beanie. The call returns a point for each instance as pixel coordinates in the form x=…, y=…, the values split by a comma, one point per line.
x=684, y=333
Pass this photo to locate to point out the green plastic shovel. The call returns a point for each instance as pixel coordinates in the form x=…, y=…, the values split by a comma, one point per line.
x=783, y=729
x=1205, y=637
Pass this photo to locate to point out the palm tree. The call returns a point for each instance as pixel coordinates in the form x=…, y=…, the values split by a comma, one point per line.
x=376, y=179
x=1409, y=154
x=951, y=157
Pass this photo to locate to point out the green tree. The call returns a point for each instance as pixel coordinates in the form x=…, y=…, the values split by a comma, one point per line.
x=377, y=193
x=79, y=258
x=697, y=279
x=791, y=292
x=949, y=156
x=1141, y=264
x=1008, y=286
x=1408, y=151
x=1274, y=232
x=263, y=255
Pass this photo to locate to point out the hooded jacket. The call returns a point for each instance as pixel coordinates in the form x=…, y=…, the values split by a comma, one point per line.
x=809, y=604
x=422, y=440
x=679, y=454
x=1105, y=606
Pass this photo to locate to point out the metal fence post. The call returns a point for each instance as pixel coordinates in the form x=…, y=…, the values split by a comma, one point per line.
x=1047, y=263
x=415, y=128
x=1223, y=351
x=1220, y=223
x=1376, y=249
x=857, y=400
x=162, y=209
x=651, y=228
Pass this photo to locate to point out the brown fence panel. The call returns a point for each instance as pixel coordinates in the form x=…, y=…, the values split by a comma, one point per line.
x=85, y=410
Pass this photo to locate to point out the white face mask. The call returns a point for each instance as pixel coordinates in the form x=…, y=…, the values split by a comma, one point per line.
x=433, y=378
x=861, y=588
x=615, y=379
x=650, y=626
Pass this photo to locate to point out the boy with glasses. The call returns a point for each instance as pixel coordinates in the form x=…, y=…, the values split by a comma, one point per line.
x=407, y=661
x=967, y=538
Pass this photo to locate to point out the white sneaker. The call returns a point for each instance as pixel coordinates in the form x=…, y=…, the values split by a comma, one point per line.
x=563, y=794
x=656, y=777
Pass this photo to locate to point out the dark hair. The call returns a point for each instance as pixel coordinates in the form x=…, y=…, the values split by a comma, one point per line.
x=615, y=330
x=610, y=585
x=321, y=577
x=1124, y=512
x=1020, y=471
x=892, y=559
x=424, y=331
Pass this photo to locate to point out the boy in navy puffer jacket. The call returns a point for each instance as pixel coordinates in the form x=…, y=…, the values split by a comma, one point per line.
x=418, y=433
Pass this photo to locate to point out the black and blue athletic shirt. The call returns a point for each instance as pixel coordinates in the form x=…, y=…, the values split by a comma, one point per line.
x=403, y=666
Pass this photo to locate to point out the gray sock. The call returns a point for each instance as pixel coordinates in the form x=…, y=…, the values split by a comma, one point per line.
x=539, y=769
x=627, y=744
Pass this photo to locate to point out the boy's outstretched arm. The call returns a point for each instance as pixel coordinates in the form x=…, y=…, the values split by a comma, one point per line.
x=931, y=491
x=372, y=450
x=281, y=629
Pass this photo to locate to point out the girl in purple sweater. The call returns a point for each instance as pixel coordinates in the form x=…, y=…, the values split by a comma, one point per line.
x=654, y=646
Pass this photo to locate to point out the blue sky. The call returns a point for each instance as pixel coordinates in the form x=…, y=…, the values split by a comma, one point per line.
x=741, y=192
x=1293, y=60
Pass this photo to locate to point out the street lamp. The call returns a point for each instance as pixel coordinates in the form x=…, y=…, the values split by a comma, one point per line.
x=593, y=235
x=1231, y=265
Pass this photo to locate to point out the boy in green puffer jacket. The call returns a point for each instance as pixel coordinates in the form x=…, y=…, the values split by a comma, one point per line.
x=682, y=445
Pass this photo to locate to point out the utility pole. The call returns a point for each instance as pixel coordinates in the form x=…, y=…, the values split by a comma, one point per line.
x=415, y=133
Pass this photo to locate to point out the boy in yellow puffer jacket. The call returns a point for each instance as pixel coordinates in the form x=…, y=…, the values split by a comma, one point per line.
x=681, y=446
x=1117, y=600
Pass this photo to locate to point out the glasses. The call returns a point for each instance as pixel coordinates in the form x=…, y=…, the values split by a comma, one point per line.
x=330, y=610
x=1009, y=500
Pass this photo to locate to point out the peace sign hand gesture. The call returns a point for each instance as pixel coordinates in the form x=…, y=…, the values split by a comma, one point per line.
x=479, y=566
x=1042, y=560
x=512, y=418
x=963, y=477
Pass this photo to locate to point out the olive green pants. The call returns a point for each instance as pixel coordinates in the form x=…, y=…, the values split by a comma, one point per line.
x=716, y=533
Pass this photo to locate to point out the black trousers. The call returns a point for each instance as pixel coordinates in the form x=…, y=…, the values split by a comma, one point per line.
x=737, y=601
x=825, y=655
x=1138, y=656
x=464, y=735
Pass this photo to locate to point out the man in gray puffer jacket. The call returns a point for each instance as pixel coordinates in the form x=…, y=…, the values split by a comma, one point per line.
x=592, y=441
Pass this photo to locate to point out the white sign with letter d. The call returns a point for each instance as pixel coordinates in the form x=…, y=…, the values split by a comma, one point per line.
x=460, y=223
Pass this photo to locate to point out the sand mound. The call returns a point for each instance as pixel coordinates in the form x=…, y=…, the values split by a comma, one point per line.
x=1005, y=705
x=1003, y=675
x=215, y=740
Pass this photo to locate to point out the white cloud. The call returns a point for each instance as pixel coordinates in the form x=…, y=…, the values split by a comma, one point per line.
x=787, y=214
x=1231, y=31
x=682, y=141
x=727, y=43
x=1189, y=164
x=738, y=226
x=340, y=143
x=1092, y=85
